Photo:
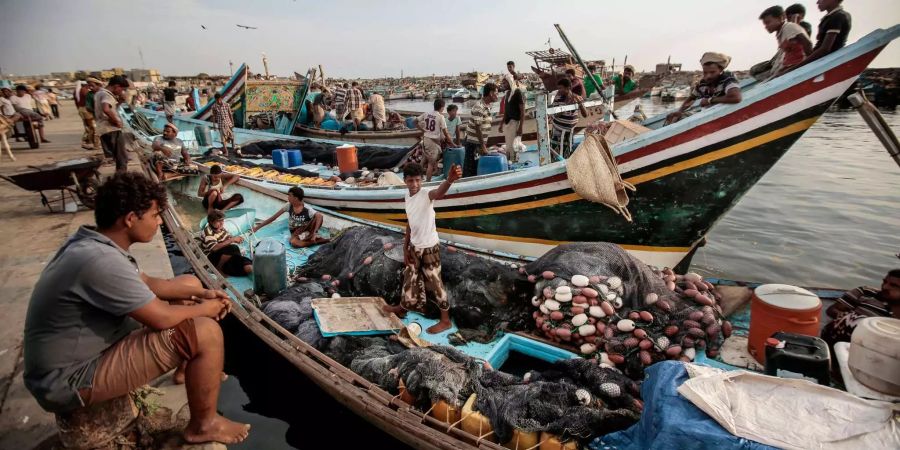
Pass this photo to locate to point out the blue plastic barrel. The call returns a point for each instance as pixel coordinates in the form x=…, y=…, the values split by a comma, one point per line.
x=454, y=156
x=493, y=163
x=280, y=158
x=411, y=122
x=295, y=158
x=203, y=135
x=269, y=268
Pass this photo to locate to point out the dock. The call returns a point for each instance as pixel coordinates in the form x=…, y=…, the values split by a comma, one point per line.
x=30, y=235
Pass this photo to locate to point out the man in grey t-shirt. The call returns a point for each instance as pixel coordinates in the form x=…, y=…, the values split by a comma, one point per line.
x=97, y=328
x=109, y=124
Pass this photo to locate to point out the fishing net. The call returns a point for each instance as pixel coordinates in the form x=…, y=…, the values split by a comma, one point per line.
x=369, y=156
x=620, y=312
x=367, y=261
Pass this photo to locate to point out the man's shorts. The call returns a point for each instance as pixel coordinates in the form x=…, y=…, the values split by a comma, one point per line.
x=139, y=358
x=432, y=150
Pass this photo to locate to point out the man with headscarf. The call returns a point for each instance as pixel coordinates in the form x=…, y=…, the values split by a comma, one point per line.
x=169, y=152
x=717, y=86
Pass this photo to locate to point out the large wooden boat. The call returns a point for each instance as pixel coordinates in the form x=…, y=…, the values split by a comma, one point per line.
x=386, y=137
x=391, y=413
x=688, y=175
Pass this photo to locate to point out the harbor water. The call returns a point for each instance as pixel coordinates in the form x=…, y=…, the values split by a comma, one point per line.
x=826, y=215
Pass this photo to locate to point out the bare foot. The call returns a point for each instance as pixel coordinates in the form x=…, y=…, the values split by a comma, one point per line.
x=438, y=327
x=396, y=310
x=217, y=429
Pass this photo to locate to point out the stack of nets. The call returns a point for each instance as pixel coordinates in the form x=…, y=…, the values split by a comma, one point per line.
x=484, y=295
x=620, y=312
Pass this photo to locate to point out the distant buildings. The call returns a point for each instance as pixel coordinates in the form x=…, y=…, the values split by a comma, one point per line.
x=666, y=68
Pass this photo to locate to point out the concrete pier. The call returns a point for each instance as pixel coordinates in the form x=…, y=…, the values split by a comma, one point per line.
x=29, y=236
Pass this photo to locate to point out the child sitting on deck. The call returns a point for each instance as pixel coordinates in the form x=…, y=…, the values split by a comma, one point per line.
x=221, y=247
x=303, y=221
x=422, y=248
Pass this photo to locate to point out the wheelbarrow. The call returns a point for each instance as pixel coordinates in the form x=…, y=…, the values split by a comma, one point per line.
x=75, y=179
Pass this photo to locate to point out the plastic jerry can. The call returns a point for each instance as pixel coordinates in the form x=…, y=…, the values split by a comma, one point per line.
x=269, y=268
x=279, y=158
x=295, y=158
x=790, y=355
x=454, y=156
x=492, y=164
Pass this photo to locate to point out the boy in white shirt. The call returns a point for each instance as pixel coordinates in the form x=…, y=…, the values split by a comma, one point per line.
x=435, y=127
x=422, y=248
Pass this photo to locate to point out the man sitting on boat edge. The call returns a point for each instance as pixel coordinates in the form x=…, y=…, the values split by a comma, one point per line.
x=97, y=327
x=861, y=303
x=717, y=86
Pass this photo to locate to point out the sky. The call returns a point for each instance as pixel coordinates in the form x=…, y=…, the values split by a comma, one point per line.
x=380, y=38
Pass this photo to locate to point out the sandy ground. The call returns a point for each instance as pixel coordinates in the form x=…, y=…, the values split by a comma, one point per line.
x=29, y=236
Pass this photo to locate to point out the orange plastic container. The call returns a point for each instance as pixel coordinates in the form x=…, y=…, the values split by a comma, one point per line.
x=781, y=307
x=346, y=158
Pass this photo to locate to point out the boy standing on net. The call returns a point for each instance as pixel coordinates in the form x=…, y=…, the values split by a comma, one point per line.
x=422, y=249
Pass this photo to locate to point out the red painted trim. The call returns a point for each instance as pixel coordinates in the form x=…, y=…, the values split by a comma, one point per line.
x=793, y=93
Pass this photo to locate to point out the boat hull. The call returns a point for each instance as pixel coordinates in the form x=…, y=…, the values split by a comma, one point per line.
x=403, y=137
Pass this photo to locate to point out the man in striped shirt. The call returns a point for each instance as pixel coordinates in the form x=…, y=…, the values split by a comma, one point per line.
x=222, y=248
x=478, y=128
x=564, y=122
x=221, y=115
x=339, y=101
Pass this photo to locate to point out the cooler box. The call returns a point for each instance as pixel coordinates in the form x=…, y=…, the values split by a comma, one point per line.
x=269, y=268
x=295, y=158
x=280, y=158
x=330, y=125
x=453, y=156
x=781, y=307
x=411, y=122
x=493, y=163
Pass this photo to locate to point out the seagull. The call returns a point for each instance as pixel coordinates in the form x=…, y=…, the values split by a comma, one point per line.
x=246, y=27
x=203, y=26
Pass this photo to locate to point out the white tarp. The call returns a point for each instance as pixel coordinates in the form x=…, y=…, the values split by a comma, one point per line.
x=791, y=413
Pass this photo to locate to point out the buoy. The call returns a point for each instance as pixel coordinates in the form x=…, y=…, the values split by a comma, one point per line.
x=579, y=281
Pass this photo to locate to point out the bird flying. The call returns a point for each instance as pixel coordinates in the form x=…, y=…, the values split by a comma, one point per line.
x=245, y=27
x=203, y=26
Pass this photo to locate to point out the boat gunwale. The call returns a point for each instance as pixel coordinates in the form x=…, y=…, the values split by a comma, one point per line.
x=322, y=369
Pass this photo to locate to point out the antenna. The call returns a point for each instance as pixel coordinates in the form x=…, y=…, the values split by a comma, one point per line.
x=143, y=64
x=231, y=66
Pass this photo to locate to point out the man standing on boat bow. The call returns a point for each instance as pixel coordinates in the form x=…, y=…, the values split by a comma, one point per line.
x=422, y=248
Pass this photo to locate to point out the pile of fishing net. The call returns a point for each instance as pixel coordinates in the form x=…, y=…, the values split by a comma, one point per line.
x=574, y=398
x=620, y=312
x=314, y=152
x=484, y=295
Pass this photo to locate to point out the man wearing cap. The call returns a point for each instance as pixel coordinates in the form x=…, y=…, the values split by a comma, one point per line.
x=23, y=107
x=169, y=152
x=717, y=86
x=109, y=124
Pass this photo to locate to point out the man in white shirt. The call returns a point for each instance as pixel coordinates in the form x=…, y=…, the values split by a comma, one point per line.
x=23, y=107
x=422, y=248
x=434, y=125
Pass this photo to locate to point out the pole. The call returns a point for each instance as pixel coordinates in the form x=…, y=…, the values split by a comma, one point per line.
x=231, y=67
x=877, y=123
x=543, y=131
x=265, y=65
x=577, y=58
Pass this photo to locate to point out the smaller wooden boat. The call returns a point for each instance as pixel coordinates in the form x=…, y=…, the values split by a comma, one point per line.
x=395, y=137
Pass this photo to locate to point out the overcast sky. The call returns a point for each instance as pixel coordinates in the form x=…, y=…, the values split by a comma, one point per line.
x=381, y=38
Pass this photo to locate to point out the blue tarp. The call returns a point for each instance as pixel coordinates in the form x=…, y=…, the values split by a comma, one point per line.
x=670, y=421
